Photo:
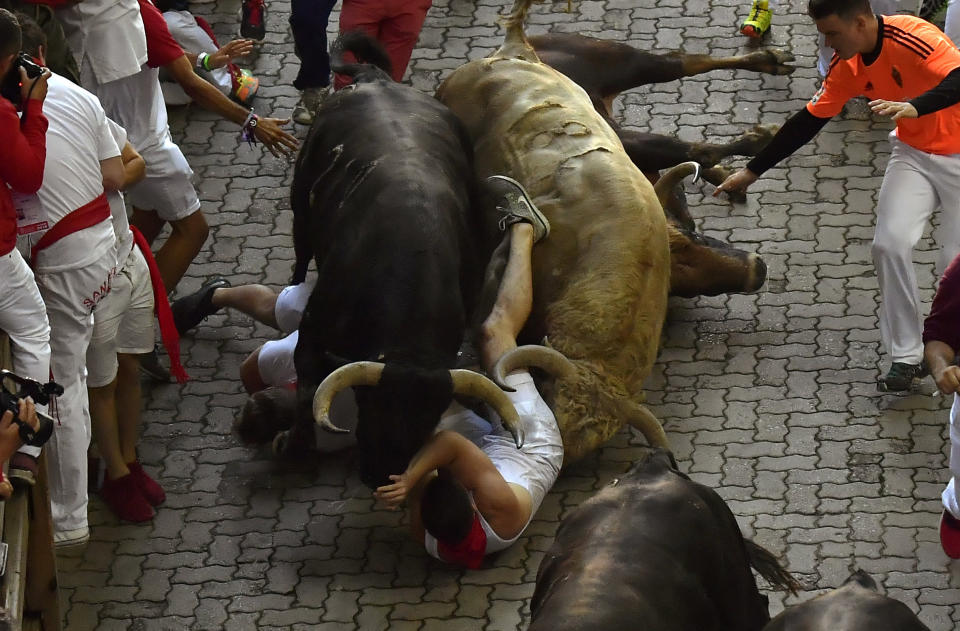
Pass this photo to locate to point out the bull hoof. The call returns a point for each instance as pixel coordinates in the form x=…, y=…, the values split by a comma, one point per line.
x=753, y=141
x=772, y=61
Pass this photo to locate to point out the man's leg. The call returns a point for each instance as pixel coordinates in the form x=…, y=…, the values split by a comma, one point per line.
x=359, y=15
x=946, y=179
x=186, y=239
x=308, y=22
x=24, y=317
x=399, y=33
x=514, y=298
x=906, y=201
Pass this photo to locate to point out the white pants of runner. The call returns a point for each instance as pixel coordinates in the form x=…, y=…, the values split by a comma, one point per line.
x=951, y=23
x=24, y=318
x=951, y=500
x=825, y=54
x=914, y=185
x=70, y=296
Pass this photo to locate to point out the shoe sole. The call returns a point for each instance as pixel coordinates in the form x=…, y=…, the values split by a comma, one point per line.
x=913, y=387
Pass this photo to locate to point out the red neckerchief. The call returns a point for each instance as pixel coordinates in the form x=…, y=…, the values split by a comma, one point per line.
x=469, y=552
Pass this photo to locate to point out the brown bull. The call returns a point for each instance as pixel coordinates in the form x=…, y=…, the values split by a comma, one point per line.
x=603, y=275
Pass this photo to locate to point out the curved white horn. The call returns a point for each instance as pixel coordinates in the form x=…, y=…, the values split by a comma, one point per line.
x=548, y=359
x=673, y=176
x=469, y=383
x=355, y=374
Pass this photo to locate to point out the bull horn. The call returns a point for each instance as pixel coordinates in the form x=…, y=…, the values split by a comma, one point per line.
x=469, y=383
x=354, y=374
x=673, y=177
x=543, y=357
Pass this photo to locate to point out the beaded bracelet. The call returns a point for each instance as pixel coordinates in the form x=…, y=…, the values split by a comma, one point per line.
x=249, y=127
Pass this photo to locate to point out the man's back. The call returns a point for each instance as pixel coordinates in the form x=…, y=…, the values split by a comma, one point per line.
x=78, y=138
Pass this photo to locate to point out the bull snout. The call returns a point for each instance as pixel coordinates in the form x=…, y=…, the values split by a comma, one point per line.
x=757, y=275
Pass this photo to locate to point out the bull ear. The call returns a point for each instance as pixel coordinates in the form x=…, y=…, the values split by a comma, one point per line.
x=862, y=579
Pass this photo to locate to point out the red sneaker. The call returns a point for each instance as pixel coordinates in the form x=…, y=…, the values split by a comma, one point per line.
x=151, y=491
x=124, y=498
x=950, y=535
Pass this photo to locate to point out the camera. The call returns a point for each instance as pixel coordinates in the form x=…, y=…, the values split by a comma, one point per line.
x=10, y=87
x=14, y=387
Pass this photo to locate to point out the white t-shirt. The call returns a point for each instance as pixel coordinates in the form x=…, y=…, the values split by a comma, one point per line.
x=118, y=210
x=78, y=138
x=137, y=105
x=109, y=34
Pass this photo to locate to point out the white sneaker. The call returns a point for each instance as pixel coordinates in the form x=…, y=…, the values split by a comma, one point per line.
x=69, y=542
x=310, y=101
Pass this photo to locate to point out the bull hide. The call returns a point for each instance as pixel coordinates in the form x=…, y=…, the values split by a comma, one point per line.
x=653, y=551
x=601, y=278
x=854, y=606
x=383, y=203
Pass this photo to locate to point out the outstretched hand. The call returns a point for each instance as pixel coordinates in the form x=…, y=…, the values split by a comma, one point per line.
x=269, y=132
x=233, y=50
x=393, y=495
x=894, y=109
x=737, y=182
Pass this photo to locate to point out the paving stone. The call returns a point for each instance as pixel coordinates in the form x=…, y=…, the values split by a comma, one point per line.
x=770, y=397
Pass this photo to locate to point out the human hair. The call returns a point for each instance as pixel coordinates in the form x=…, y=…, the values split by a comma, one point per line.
x=9, y=33
x=445, y=509
x=32, y=36
x=843, y=9
x=266, y=413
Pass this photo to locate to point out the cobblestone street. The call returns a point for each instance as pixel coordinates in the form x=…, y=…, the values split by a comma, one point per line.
x=769, y=398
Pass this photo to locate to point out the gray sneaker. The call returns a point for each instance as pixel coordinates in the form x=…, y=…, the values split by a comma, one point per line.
x=515, y=205
x=310, y=101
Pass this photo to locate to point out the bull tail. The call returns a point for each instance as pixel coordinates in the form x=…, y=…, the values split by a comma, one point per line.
x=515, y=43
x=373, y=61
x=767, y=566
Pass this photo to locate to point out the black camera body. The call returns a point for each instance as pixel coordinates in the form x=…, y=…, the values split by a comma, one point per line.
x=10, y=87
x=14, y=387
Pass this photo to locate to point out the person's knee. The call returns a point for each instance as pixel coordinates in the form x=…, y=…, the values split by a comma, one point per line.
x=888, y=245
x=193, y=227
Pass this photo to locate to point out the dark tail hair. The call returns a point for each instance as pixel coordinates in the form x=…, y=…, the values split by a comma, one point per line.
x=767, y=566
x=373, y=61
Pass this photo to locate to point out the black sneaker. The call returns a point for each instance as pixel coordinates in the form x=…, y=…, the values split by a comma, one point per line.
x=150, y=366
x=253, y=20
x=190, y=311
x=902, y=377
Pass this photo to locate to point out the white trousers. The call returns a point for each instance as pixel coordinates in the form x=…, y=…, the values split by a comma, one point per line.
x=914, y=185
x=24, y=318
x=70, y=296
x=949, y=496
x=951, y=23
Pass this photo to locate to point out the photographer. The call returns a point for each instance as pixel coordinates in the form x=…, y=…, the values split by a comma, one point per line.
x=22, y=156
x=75, y=261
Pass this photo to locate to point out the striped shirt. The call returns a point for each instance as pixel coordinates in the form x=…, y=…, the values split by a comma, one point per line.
x=914, y=57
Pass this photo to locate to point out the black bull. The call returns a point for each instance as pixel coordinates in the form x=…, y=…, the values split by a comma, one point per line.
x=653, y=551
x=382, y=198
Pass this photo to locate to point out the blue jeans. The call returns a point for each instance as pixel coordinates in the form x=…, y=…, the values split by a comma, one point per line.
x=308, y=21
